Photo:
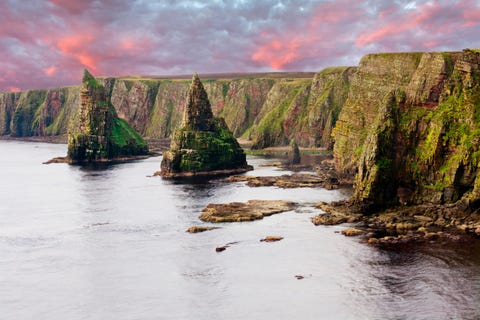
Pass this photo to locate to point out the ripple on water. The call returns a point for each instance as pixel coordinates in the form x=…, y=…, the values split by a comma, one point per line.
x=110, y=243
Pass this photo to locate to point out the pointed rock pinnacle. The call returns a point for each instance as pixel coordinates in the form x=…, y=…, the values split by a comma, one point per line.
x=198, y=112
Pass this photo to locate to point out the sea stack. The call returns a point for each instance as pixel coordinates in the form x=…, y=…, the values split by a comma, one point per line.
x=203, y=145
x=97, y=134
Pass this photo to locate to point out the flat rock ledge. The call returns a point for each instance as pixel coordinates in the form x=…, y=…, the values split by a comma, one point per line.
x=403, y=224
x=271, y=239
x=203, y=174
x=198, y=229
x=296, y=180
x=244, y=211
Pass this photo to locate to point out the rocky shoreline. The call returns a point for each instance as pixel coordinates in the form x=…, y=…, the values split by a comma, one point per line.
x=403, y=224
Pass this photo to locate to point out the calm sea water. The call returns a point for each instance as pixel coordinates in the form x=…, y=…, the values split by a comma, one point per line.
x=110, y=243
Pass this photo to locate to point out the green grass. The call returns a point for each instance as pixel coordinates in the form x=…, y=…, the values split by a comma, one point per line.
x=122, y=134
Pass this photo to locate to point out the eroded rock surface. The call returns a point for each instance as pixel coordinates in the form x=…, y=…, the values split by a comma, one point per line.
x=203, y=145
x=98, y=134
x=403, y=224
x=244, y=211
x=296, y=180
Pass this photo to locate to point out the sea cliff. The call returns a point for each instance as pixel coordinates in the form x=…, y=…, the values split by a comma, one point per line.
x=410, y=129
x=270, y=109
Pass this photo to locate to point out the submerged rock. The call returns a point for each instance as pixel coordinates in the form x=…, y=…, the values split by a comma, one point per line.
x=198, y=229
x=203, y=145
x=244, y=211
x=271, y=239
x=97, y=133
x=221, y=248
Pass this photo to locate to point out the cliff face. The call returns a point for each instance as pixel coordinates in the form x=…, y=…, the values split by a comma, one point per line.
x=377, y=75
x=96, y=133
x=301, y=109
x=411, y=125
x=203, y=144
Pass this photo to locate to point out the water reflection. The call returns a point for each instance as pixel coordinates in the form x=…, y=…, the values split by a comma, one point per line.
x=109, y=242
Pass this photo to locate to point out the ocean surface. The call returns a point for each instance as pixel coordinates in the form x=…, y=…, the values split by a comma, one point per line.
x=109, y=242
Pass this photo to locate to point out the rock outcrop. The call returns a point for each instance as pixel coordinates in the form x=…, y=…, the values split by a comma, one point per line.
x=203, y=145
x=294, y=156
x=244, y=211
x=97, y=133
x=410, y=129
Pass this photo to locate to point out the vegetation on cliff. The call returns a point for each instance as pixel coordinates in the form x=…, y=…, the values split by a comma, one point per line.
x=203, y=144
x=96, y=133
x=296, y=106
x=415, y=138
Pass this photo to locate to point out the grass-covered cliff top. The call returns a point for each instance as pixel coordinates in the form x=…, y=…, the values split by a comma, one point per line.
x=222, y=76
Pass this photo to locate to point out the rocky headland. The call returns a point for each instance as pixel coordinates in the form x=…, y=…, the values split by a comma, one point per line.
x=203, y=145
x=408, y=136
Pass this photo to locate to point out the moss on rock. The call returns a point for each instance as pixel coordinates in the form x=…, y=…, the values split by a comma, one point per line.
x=203, y=144
x=96, y=133
x=421, y=144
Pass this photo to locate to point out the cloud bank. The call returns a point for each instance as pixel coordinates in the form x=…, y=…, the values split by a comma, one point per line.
x=49, y=43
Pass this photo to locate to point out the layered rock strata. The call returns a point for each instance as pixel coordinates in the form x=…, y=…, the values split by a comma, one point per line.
x=269, y=109
x=97, y=133
x=203, y=145
x=410, y=129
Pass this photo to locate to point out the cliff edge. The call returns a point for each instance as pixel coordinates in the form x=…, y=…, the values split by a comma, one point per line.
x=410, y=130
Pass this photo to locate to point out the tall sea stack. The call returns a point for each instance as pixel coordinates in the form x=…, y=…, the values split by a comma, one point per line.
x=97, y=133
x=203, y=145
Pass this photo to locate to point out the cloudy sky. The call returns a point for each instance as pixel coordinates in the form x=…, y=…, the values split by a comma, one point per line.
x=47, y=43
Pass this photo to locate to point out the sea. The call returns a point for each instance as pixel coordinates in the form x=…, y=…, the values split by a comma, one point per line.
x=110, y=242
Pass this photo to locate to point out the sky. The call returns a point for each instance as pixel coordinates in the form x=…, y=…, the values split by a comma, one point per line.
x=48, y=43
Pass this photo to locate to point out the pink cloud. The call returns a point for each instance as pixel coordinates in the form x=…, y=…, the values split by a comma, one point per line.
x=48, y=43
x=277, y=53
x=76, y=46
x=317, y=37
x=472, y=17
x=433, y=21
x=14, y=89
x=50, y=71
x=71, y=6
x=134, y=44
